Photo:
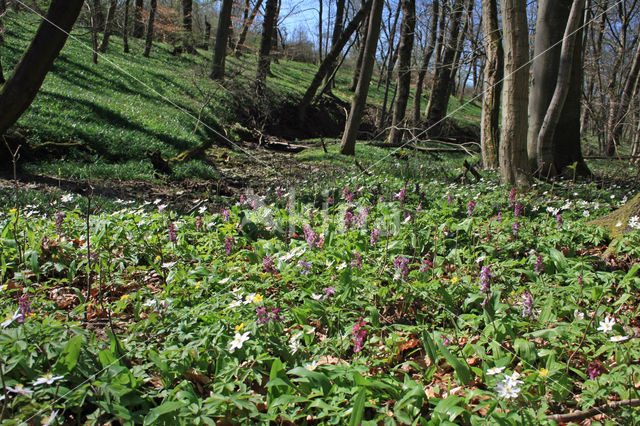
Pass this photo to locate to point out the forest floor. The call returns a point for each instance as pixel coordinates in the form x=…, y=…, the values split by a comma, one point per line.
x=254, y=286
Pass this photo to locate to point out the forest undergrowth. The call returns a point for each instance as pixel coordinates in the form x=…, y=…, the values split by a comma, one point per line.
x=404, y=296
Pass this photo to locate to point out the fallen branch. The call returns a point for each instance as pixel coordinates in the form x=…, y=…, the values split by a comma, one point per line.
x=578, y=416
x=420, y=148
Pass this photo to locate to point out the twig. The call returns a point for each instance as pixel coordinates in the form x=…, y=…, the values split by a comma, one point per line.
x=362, y=169
x=578, y=416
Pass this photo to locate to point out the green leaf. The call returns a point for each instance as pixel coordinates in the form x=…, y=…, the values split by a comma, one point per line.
x=429, y=346
x=69, y=356
x=558, y=259
x=165, y=408
x=358, y=408
x=461, y=367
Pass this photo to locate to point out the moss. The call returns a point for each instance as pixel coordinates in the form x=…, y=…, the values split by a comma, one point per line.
x=617, y=222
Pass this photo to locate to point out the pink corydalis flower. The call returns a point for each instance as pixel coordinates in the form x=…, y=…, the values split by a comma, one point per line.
x=359, y=333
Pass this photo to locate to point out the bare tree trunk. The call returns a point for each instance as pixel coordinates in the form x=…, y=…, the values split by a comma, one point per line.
x=462, y=35
x=3, y=8
x=24, y=83
x=264, y=58
x=493, y=73
x=348, y=145
x=222, y=34
x=246, y=25
x=422, y=72
x=515, y=91
x=320, y=31
x=407, y=31
x=546, y=145
x=125, y=31
x=138, y=23
x=441, y=87
x=149, y=36
x=99, y=13
x=207, y=34
x=362, y=38
x=108, y=26
x=187, y=26
x=94, y=32
x=616, y=120
x=326, y=67
x=337, y=32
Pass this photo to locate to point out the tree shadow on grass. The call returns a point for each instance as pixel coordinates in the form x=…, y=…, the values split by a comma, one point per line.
x=99, y=114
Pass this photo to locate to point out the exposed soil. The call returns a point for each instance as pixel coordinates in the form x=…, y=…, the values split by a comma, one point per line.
x=258, y=171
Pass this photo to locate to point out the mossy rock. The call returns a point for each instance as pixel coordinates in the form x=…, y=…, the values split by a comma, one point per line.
x=617, y=222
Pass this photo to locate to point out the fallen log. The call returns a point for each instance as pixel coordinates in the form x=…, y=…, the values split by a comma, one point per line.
x=578, y=416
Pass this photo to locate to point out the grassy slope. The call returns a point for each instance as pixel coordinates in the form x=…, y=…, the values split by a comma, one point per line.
x=122, y=107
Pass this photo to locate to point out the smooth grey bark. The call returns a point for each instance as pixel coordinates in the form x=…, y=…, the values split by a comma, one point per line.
x=407, y=32
x=138, y=23
x=264, y=58
x=327, y=65
x=515, y=92
x=26, y=79
x=546, y=145
x=565, y=147
x=493, y=73
x=441, y=87
x=125, y=30
x=348, y=145
x=149, y=35
x=222, y=35
x=108, y=26
x=426, y=58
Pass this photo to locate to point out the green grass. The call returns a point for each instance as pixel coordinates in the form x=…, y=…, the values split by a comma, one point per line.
x=127, y=105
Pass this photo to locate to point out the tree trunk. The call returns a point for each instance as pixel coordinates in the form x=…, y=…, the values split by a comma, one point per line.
x=337, y=32
x=149, y=36
x=99, y=13
x=326, y=67
x=493, y=73
x=108, y=26
x=348, y=145
x=441, y=87
x=390, y=61
x=546, y=144
x=319, y=31
x=187, y=26
x=3, y=8
x=616, y=120
x=138, y=23
x=462, y=35
x=515, y=91
x=362, y=39
x=125, y=31
x=407, y=31
x=245, y=27
x=207, y=34
x=222, y=34
x=264, y=58
x=22, y=86
x=433, y=33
